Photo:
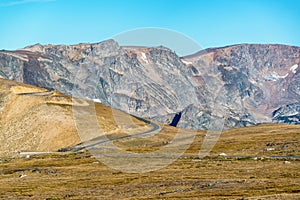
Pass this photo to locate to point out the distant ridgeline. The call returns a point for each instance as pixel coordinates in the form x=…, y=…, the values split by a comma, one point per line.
x=253, y=83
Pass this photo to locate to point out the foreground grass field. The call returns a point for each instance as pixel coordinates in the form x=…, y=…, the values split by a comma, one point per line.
x=81, y=176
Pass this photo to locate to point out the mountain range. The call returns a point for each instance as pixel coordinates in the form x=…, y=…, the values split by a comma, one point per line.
x=243, y=84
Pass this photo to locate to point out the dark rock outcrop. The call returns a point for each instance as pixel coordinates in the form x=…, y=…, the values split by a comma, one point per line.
x=287, y=114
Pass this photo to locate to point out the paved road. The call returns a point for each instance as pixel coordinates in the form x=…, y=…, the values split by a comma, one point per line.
x=155, y=129
x=100, y=140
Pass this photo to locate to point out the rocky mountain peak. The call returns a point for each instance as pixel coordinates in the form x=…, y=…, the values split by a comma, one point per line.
x=101, y=49
x=243, y=84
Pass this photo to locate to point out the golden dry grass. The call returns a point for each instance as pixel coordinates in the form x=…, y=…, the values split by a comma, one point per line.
x=81, y=176
x=249, y=141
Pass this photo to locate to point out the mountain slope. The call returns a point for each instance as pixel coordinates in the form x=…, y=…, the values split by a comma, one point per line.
x=36, y=119
x=243, y=84
x=30, y=122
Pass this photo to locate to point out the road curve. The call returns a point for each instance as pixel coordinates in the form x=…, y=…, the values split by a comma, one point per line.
x=96, y=141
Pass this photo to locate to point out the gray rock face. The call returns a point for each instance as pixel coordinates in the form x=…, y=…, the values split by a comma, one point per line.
x=287, y=114
x=243, y=84
x=252, y=80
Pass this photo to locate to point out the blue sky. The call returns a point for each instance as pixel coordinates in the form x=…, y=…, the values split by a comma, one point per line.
x=211, y=23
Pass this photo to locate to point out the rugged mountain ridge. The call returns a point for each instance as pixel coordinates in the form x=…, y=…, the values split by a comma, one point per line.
x=243, y=84
x=255, y=80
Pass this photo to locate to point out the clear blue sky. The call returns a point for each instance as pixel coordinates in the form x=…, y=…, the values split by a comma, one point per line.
x=211, y=23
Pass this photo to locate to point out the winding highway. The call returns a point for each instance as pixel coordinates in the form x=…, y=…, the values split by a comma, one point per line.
x=155, y=129
x=99, y=140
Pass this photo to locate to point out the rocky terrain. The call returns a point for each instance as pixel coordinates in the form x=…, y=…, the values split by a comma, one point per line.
x=256, y=83
x=234, y=86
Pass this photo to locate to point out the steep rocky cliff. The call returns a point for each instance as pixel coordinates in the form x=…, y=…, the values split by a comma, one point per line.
x=243, y=84
x=253, y=81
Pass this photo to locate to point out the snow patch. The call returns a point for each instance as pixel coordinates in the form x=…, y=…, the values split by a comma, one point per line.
x=97, y=100
x=294, y=68
x=144, y=57
x=283, y=76
x=228, y=68
x=186, y=62
x=274, y=76
x=44, y=59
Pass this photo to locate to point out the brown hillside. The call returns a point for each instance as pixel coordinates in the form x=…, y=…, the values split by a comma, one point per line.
x=35, y=119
